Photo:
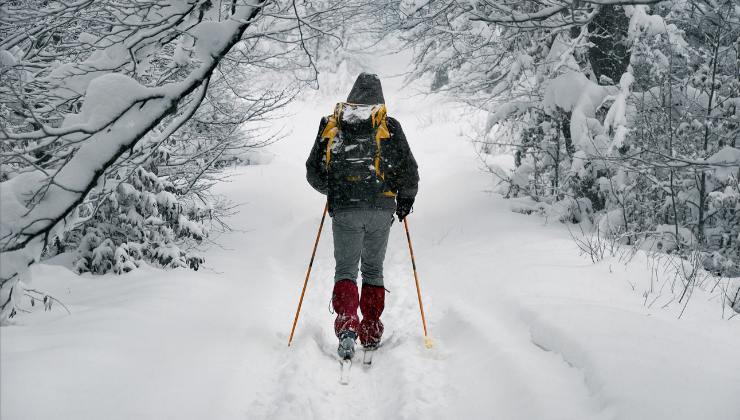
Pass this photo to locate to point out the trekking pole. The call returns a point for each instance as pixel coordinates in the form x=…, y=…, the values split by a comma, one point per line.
x=428, y=343
x=308, y=273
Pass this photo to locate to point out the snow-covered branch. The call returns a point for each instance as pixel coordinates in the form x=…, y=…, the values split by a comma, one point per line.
x=117, y=112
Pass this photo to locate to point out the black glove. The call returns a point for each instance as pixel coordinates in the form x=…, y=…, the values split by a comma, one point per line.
x=403, y=207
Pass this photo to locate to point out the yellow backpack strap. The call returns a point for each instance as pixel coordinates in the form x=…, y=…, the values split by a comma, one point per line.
x=380, y=123
x=330, y=131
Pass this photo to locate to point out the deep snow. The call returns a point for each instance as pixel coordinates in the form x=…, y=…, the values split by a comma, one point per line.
x=524, y=327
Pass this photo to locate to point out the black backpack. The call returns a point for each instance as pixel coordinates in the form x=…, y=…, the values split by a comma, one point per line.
x=354, y=137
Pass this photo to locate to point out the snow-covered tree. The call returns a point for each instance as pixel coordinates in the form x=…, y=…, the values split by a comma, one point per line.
x=108, y=102
x=624, y=112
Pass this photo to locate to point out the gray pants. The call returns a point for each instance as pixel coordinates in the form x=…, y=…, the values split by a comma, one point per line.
x=361, y=236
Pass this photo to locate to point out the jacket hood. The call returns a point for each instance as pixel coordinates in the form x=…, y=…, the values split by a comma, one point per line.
x=366, y=90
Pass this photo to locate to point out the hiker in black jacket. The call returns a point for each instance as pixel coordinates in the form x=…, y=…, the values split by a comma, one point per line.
x=362, y=162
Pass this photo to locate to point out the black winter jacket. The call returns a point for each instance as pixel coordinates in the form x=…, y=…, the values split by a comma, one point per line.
x=397, y=161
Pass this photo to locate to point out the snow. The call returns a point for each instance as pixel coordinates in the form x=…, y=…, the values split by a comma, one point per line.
x=616, y=117
x=579, y=162
x=520, y=177
x=612, y=223
x=573, y=92
x=71, y=80
x=12, y=197
x=664, y=239
x=353, y=113
x=524, y=326
x=521, y=62
x=210, y=37
x=504, y=111
x=727, y=160
x=641, y=22
x=560, y=56
x=166, y=200
x=107, y=97
x=7, y=59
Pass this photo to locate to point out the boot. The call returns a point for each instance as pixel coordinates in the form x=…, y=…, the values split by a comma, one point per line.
x=345, y=301
x=346, y=347
x=372, y=303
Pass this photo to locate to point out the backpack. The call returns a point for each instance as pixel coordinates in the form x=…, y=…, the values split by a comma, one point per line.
x=354, y=135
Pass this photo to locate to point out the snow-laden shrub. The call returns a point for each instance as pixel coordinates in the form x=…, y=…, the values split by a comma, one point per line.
x=571, y=210
x=142, y=219
x=665, y=239
x=723, y=235
x=529, y=207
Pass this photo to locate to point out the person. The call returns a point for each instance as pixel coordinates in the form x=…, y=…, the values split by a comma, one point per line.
x=362, y=162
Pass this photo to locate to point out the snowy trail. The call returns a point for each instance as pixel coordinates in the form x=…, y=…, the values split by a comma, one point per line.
x=485, y=361
x=525, y=328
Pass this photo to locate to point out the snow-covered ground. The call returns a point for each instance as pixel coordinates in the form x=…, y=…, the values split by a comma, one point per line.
x=524, y=327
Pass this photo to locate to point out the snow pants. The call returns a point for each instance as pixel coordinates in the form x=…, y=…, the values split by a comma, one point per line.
x=361, y=238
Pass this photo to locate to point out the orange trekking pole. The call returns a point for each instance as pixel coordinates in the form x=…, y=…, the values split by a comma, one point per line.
x=308, y=273
x=428, y=343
